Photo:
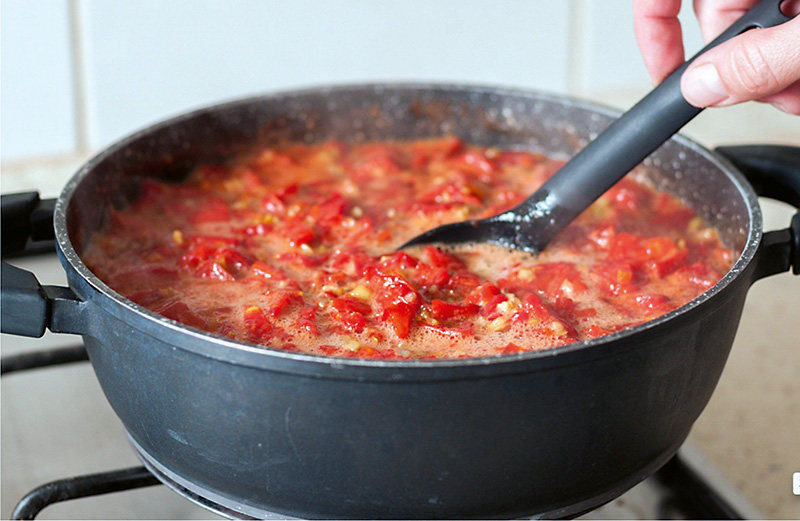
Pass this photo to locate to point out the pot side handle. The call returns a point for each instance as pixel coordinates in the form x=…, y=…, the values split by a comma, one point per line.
x=28, y=308
x=774, y=172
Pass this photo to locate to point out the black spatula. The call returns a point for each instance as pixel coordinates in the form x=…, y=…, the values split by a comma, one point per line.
x=532, y=224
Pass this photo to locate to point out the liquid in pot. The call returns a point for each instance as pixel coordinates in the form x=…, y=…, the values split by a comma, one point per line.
x=294, y=247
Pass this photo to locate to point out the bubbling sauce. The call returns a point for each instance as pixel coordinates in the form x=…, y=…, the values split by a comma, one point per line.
x=294, y=247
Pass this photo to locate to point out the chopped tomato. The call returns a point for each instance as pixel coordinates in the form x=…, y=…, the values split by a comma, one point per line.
x=615, y=278
x=267, y=271
x=212, y=270
x=214, y=210
x=442, y=310
x=180, y=312
x=256, y=323
x=482, y=294
x=296, y=246
x=281, y=300
x=397, y=303
x=297, y=232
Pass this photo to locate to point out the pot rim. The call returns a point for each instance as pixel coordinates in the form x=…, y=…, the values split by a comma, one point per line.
x=262, y=357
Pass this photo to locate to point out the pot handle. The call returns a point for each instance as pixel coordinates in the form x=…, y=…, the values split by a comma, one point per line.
x=774, y=172
x=27, y=224
x=28, y=308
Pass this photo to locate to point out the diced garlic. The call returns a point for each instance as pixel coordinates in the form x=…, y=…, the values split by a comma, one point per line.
x=361, y=292
x=333, y=289
x=351, y=344
x=558, y=328
x=506, y=307
x=293, y=210
x=499, y=324
x=525, y=274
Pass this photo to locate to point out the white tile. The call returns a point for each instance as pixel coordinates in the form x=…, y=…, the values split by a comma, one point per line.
x=149, y=59
x=36, y=109
x=608, y=54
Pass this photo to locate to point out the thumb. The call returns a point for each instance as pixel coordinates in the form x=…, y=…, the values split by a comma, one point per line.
x=751, y=66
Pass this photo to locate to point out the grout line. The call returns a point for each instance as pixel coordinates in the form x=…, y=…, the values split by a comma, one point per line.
x=76, y=14
x=576, y=46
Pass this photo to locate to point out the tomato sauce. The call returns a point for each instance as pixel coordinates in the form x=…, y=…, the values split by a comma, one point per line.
x=294, y=247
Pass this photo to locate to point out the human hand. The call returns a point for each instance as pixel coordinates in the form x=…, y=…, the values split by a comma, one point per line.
x=761, y=64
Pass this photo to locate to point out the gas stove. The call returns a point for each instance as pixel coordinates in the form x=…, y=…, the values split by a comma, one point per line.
x=65, y=454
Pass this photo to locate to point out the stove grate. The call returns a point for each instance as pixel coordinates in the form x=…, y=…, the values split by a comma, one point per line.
x=80, y=487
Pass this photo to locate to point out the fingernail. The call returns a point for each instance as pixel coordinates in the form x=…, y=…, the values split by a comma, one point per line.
x=702, y=87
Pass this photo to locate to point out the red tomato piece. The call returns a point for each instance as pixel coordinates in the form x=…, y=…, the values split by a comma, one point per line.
x=533, y=307
x=307, y=324
x=668, y=211
x=442, y=259
x=553, y=279
x=442, y=310
x=482, y=294
x=276, y=202
x=628, y=196
x=211, y=241
x=213, y=270
x=351, y=313
x=424, y=152
x=329, y=349
x=213, y=210
x=258, y=229
x=257, y=325
x=458, y=332
x=231, y=259
x=448, y=194
x=398, y=260
x=427, y=275
x=595, y=331
x=397, y=303
x=476, y=160
x=180, y=312
x=127, y=222
x=616, y=278
x=646, y=302
x=306, y=261
x=657, y=256
x=625, y=246
x=350, y=305
x=281, y=300
x=297, y=232
x=332, y=209
x=698, y=274
x=149, y=298
x=266, y=271
x=490, y=308
x=663, y=255
x=511, y=348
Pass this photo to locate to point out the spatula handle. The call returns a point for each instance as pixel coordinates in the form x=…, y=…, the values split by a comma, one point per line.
x=631, y=138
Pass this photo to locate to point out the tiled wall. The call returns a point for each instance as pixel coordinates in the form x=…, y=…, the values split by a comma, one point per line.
x=79, y=74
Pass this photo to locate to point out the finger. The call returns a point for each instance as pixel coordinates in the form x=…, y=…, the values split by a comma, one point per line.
x=752, y=66
x=658, y=33
x=787, y=100
x=714, y=16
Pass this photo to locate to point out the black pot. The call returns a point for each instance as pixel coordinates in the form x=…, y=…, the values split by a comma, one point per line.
x=257, y=430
